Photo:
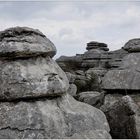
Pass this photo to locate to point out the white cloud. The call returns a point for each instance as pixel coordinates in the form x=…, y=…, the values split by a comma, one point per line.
x=71, y=25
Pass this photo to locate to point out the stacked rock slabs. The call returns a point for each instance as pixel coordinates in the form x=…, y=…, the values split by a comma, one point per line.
x=26, y=71
x=33, y=88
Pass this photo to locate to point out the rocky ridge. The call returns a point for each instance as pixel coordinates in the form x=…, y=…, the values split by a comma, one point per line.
x=114, y=73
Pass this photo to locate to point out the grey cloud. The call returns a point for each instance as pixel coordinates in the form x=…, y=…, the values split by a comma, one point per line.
x=70, y=25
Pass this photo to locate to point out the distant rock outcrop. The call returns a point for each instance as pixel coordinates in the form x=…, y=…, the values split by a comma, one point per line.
x=33, y=93
x=132, y=45
x=116, y=73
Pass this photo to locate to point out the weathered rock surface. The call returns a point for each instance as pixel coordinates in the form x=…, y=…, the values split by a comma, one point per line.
x=115, y=72
x=115, y=58
x=35, y=77
x=61, y=117
x=132, y=45
x=110, y=99
x=34, y=93
x=95, y=45
x=25, y=42
x=72, y=90
x=95, y=78
x=93, y=98
x=125, y=78
x=124, y=118
x=96, y=61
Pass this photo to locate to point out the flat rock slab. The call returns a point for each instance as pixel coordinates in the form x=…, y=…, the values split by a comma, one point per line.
x=92, y=97
x=25, y=42
x=62, y=117
x=121, y=80
x=127, y=77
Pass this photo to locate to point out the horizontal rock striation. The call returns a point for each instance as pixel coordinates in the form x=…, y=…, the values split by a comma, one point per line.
x=34, y=99
x=25, y=42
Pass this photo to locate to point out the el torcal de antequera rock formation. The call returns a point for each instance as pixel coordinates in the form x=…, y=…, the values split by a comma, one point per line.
x=34, y=92
x=109, y=81
x=95, y=95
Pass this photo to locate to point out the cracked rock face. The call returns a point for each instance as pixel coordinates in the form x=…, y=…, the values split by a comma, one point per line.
x=125, y=78
x=33, y=93
x=35, y=77
x=124, y=118
x=61, y=117
x=28, y=77
x=132, y=45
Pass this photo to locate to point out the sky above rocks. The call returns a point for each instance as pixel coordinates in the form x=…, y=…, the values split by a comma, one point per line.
x=71, y=24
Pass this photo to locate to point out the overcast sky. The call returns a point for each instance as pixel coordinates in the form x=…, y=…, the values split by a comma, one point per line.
x=71, y=24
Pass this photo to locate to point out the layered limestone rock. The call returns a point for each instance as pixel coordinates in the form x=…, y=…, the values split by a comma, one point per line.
x=124, y=118
x=33, y=93
x=127, y=77
x=132, y=45
x=116, y=73
x=26, y=67
x=96, y=56
x=25, y=42
x=94, y=63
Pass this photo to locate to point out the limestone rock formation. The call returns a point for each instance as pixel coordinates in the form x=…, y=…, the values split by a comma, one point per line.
x=33, y=93
x=93, y=98
x=25, y=42
x=127, y=77
x=132, y=45
x=61, y=117
x=95, y=45
x=116, y=73
x=124, y=118
x=33, y=76
x=72, y=90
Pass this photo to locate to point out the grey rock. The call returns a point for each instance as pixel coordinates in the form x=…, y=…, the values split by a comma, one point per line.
x=24, y=42
x=132, y=45
x=125, y=78
x=82, y=83
x=34, y=103
x=71, y=77
x=91, y=97
x=115, y=58
x=35, y=77
x=131, y=61
x=80, y=72
x=97, y=71
x=109, y=100
x=95, y=77
x=72, y=90
x=57, y=118
x=124, y=119
x=95, y=45
x=70, y=64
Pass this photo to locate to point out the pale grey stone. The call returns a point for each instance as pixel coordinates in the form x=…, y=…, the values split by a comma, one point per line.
x=24, y=42
x=35, y=77
x=132, y=45
x=62, y=117
x=127, y=77
x=124, y=119
x=72, y=90
x=92, y=97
